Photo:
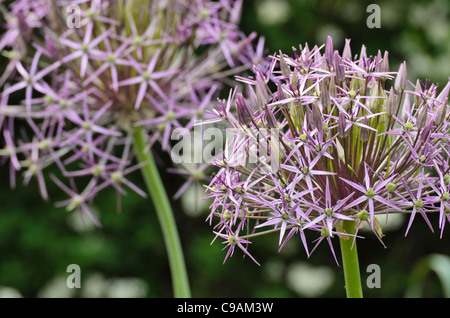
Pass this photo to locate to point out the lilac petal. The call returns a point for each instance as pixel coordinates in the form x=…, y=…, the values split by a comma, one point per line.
x=382, y=184
x=411, y=218
x=354, y=185
x=140, y=95
x=356, y=202
x=366, y=177
x=386, y=202
x=85, y=208
x=95, y=74
x=35, y=62
x=22, y=71
x=327, y=194
x=247, y=253
x=131, y=81
x=341, y=202
x=152, y=64
x=15, y=87
x=71, y=57
x=156, y=88
x=133, y=187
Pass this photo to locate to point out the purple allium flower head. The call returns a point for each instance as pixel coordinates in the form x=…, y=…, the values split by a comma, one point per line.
x=82, y=74
x=353, y=141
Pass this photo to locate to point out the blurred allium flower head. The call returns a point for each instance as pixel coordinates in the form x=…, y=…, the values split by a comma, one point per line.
x=355, y=140
x=81, y=74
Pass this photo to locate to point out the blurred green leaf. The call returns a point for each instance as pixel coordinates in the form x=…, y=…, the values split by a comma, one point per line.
x=437, y=263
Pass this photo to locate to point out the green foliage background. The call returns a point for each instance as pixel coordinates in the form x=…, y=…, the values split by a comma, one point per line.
x=39, y=241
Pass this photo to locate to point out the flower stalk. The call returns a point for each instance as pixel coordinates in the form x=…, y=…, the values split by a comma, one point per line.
x=164, y=213
x=350, y=262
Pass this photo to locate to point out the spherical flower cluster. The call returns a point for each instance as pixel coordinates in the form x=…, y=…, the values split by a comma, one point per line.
x=82, y=74
x=322, y=138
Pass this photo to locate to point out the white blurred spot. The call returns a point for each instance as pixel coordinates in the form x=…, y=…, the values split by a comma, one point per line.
x=94, y=286
x=81, y=222
x=308, y=280
x=273, y=12
x=126, y=288
x=9, y=292
x=192, y=200
x=57, y=288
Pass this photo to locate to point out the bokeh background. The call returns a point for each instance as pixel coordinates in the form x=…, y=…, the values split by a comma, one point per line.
x=126, y=257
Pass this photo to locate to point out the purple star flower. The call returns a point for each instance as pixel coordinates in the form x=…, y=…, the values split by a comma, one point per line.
x=354, y=141
x=371, y=193
x=83, y=90
x=232, y=240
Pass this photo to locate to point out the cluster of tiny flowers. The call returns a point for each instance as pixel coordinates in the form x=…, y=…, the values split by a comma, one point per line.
x=321, y=138
x=81, y=74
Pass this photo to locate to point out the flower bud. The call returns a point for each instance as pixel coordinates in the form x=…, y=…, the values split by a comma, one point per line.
x=417, y=97
x=270, y=117
x=294, y=80
x=356, y=83
x=324, y=95
x=329, y=51
x=363, y=53
x=402, y=78
x=243, y=110
x=262, y=91
x=317, y=117
x=317, y=56
x=339, y=68
x=441, y=113
x=443, y=96
x=280, y=93
x=306, y=50
x=332, y=91
x=422, y=117
x=377, y=95
x=347, y=52
x=406, y=109
x=391, y=107
x=384, y=67
x=342, y=125
x=364, y=135
x=285, y=71
x=377, y=61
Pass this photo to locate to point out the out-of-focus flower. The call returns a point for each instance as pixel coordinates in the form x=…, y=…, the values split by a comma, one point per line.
x=354, y=141
x=72, y=93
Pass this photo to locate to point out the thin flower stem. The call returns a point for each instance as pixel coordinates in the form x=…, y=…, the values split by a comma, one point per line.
x=350, y=261
x=164, y=213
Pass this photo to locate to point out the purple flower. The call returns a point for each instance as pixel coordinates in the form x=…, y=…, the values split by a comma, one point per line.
x=83, y=88
x=354, y=141
x=443, y=192
x=370, y=194
x=232, y=240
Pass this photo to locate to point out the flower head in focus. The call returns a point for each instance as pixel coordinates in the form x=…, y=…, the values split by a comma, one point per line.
x=353, y=141
x=71, y=93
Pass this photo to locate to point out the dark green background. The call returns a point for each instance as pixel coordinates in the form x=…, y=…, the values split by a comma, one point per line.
x=37, y=241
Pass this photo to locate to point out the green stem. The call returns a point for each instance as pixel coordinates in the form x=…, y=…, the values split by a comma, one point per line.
x=164, y=213
x=350, y=262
